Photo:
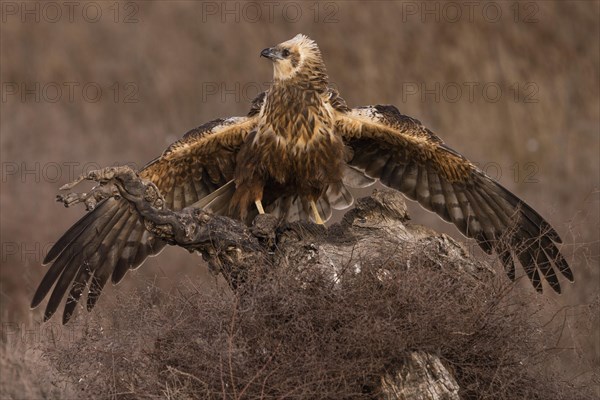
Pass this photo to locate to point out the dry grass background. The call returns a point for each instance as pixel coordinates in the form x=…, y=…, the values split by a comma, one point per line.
x=176, y=53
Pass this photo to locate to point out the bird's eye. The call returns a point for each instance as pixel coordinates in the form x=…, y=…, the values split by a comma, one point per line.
x=285, y=52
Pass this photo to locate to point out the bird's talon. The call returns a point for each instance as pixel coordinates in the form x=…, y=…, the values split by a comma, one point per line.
x=259, y=206
x=317, y=217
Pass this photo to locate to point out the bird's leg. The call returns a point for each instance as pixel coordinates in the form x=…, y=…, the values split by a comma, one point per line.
x=259, y=206
x=313, y=207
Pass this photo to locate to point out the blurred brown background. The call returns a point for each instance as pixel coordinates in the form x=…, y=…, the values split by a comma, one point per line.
x=512, y=86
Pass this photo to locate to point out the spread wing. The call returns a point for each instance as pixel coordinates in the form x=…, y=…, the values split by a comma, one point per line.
x=404, y=155
x=111, y=239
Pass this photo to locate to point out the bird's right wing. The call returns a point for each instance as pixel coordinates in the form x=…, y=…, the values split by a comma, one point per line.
x=111, y=239
x=405, y=155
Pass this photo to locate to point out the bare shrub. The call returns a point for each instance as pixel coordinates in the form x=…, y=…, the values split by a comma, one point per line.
x=294, y=333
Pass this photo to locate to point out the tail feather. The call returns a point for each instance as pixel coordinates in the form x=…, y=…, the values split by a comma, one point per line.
x=284, y=208
x=339, y=197
x=299, y=210
x=355, y=178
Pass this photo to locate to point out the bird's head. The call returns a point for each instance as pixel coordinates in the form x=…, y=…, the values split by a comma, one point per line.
x=297, y=58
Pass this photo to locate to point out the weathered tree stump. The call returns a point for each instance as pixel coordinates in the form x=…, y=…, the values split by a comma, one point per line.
x=375, y=231
x=422, y=377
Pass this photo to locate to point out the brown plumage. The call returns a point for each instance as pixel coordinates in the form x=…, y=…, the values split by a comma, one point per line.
x=296, y=154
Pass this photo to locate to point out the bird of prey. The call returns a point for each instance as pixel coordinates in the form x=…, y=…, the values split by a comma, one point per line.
x=295, y=154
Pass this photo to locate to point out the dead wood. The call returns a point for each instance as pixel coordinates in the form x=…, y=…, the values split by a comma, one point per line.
x=376, y=232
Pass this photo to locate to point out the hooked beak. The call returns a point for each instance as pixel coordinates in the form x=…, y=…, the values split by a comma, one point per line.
x=271, y=53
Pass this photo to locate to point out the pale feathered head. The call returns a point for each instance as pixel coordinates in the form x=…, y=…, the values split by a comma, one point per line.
x=298, y=57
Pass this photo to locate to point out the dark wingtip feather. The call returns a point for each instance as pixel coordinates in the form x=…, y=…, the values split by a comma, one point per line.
x=550, y=275
x=120, y=270
x=526, y=260
x=77, y=289
x=92, y=298
x=73, y=232
x=563, y=267
x=567, y=273
x=43, y=289
x=67, y=315
x=48, y=314
x=38, y=297
x=59, y=290
x=97, y=284
x=544, y=264
x=509, y=264
x=533, y=216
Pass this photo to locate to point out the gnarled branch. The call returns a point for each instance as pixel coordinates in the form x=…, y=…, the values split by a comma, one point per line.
x=375, y=231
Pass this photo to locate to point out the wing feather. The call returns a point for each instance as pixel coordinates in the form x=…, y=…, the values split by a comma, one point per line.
x=422, y=189
x=408, y=181
x=112, y=239
x=189, y=193
x=437, y=199
x=486, y=233
x=404, y=155
x=472, y=225
x=83, y=255
x=377, y=166
x=130, y=239
x=73, y=232
x=453, y=208
x=390, y=170
x=105, y=211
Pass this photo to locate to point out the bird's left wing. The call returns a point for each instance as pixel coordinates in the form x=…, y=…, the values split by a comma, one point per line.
x=200, y=163
x=111, y=239
x=405, y=155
